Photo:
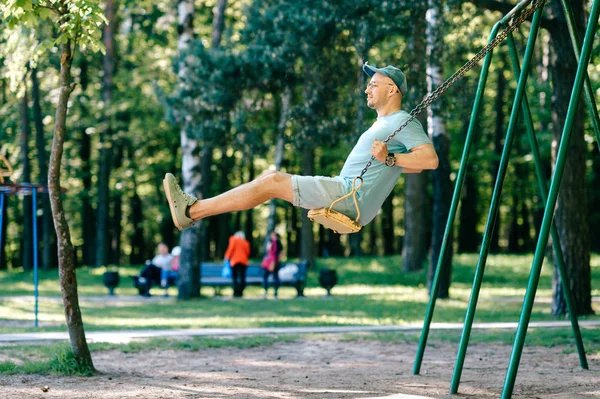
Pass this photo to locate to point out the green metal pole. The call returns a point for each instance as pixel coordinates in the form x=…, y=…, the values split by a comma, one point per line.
x=589, y=92
x=495, y=203
x=455, y=199
x=534, y=276
x=560, y=263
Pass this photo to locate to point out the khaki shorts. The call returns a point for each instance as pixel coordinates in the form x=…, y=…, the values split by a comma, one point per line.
x=313, y=192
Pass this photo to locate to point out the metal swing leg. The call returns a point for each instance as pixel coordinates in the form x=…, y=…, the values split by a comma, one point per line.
x=511, y=373
x=543, y=188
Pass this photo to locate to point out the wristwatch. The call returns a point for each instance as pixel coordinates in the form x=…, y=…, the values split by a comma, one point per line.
x=390, y=160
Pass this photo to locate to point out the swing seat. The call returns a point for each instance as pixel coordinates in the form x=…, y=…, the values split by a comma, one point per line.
x=334, y=220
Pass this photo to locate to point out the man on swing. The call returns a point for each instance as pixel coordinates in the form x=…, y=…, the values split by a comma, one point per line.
x=410, y=151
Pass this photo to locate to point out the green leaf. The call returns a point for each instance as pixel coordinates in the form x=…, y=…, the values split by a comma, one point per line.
x=45, y=13
x=24, y=4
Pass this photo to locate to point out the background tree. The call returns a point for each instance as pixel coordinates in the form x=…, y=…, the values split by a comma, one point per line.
x=108, y=146
x=189, y=280
x=571, y=215
x=416, y=205
x=77, y=24
x=442, y=187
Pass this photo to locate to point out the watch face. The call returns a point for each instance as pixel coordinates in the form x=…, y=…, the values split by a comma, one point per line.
x=390, y=160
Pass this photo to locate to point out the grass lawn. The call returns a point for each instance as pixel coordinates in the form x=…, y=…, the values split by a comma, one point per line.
x=371, y=291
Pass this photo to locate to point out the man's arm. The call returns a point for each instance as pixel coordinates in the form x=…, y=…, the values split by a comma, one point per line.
x=419, y=158
x=406, y=170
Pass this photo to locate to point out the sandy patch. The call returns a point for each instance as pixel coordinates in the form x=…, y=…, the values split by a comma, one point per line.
x=317, y=368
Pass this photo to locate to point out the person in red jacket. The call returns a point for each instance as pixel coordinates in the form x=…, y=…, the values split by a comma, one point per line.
x=238, y=252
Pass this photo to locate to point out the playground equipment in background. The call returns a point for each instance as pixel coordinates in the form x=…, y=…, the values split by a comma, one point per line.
x=8, y=188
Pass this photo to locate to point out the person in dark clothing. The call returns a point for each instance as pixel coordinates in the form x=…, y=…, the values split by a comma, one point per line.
x=271, y=263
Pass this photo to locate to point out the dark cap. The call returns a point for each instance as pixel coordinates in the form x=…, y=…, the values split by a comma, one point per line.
x=391, y=72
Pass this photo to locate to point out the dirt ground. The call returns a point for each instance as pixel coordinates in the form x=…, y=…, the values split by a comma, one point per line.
x=317, y=368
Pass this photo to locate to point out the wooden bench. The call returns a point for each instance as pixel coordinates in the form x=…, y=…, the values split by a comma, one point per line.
x=211, y=275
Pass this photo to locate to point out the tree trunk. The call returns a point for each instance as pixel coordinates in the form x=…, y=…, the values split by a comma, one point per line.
x=102, y=207
x=137, y=237
x=543, y=74
x=4, y=216
x=355, y=239
x=498, y=144
x=360, y=106
x=206, y=155
x=294, y=233
x=387, y=226
x=27, y=237
x=206, y=159
x=116, y=208
x=66, y=252
x=442, y=186
x=4, y=198
x=594, y=201
x=468, y=238
x=286, y=99
x=571, y=216
x=372, y=228
x=307, y=239
x=115, y=229
x=518, y=237
x=249, y=223
x=188, y=284
x=223, y=226
x=48, y=240
x=85, y=147
x=416, y=198
x=218, y=23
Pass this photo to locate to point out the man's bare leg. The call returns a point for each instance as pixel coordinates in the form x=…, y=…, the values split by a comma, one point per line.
x=186, y=209
x=271, y=184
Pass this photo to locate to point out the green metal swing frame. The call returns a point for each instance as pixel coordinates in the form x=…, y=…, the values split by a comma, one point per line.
x=520, y=107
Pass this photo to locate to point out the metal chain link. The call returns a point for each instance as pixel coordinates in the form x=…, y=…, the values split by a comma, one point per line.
x=464, y=69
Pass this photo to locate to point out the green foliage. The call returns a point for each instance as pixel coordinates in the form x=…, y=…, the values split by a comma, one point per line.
x=205, y=98
x=232, y=99
x=76, y=21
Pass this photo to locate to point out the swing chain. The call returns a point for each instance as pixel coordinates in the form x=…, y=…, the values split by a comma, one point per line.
x=513, y=24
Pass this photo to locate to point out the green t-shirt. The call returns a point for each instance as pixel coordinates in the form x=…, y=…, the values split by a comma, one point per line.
x=380, y=179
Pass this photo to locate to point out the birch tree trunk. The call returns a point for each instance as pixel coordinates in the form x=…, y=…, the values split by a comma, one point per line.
x=188, y=284
x=442, y=187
